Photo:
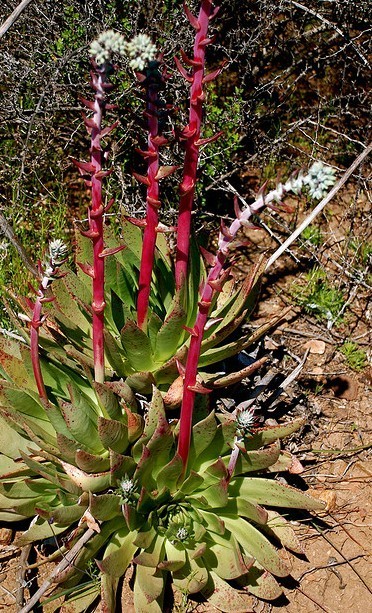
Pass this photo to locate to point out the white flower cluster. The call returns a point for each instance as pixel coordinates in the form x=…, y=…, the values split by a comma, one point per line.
x=126, y=489
x=245, y=420
x=182, y=534
x=318, y=180
x=58, y=252
x=107, y=43
x=140, y=49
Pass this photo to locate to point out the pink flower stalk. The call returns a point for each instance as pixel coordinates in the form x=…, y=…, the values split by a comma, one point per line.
x=214, y=283
x=191, y=133
x=152, y=82
x=93, y=175
x=36, y=322
x=58, y=253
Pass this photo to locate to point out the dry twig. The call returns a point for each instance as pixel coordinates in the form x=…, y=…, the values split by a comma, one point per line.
x=67, y=561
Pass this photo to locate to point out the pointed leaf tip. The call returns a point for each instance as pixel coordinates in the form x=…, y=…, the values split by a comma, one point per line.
x=191, y=17
x=165, y=171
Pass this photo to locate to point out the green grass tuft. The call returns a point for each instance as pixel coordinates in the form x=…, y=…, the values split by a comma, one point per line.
x=356, y=358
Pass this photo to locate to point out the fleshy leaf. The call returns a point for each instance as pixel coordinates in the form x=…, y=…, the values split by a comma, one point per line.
x=170, y=474
x=175, y=557
x=269, y=434
x=137, y=347
x=39, y=531
x=225, y=598
x=240, y=507
x=273, y=493
x=224, y=557
x=104, y=507
x=255, y=544
x=91, y=463
x=118, y=554
x=283, y=531
x=148, y=590
x=261, y=583
x=171, y=332
x=192, y=578
x=250, y=461
x=113, y=434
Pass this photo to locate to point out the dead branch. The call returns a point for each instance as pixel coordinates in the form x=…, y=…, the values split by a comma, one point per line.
x=67, y=561
x=13, y=17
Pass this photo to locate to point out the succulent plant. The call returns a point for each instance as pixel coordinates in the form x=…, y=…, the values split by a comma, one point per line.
x=93, y=459
x=87, y=449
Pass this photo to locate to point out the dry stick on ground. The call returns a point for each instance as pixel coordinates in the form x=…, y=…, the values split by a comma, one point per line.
x=13, y=17
x=67, y=561
x=319, y=207
x=21, y=575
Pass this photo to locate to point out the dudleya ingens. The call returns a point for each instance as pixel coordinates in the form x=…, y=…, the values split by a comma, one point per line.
x=140, y=49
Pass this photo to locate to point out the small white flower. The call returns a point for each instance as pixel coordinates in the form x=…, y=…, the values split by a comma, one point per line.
x=245, y=420
x=182, y=534
x=126, y=488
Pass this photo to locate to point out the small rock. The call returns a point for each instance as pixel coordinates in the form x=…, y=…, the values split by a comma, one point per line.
x=315, y=346
x=318, y=370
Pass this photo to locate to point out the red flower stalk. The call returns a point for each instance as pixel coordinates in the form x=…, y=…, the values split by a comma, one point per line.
x=191, y=133
x=214, y=283
x=152, y=83
x=93, y=175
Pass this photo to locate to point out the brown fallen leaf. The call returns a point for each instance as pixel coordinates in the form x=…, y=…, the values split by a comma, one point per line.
x=328, y=496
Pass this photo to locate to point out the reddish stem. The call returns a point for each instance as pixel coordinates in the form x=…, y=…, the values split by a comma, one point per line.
x=95, y=214
x=152, y=204
x=187, y=187
x=213, y=284
x=34, y=346
x=37, y=321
